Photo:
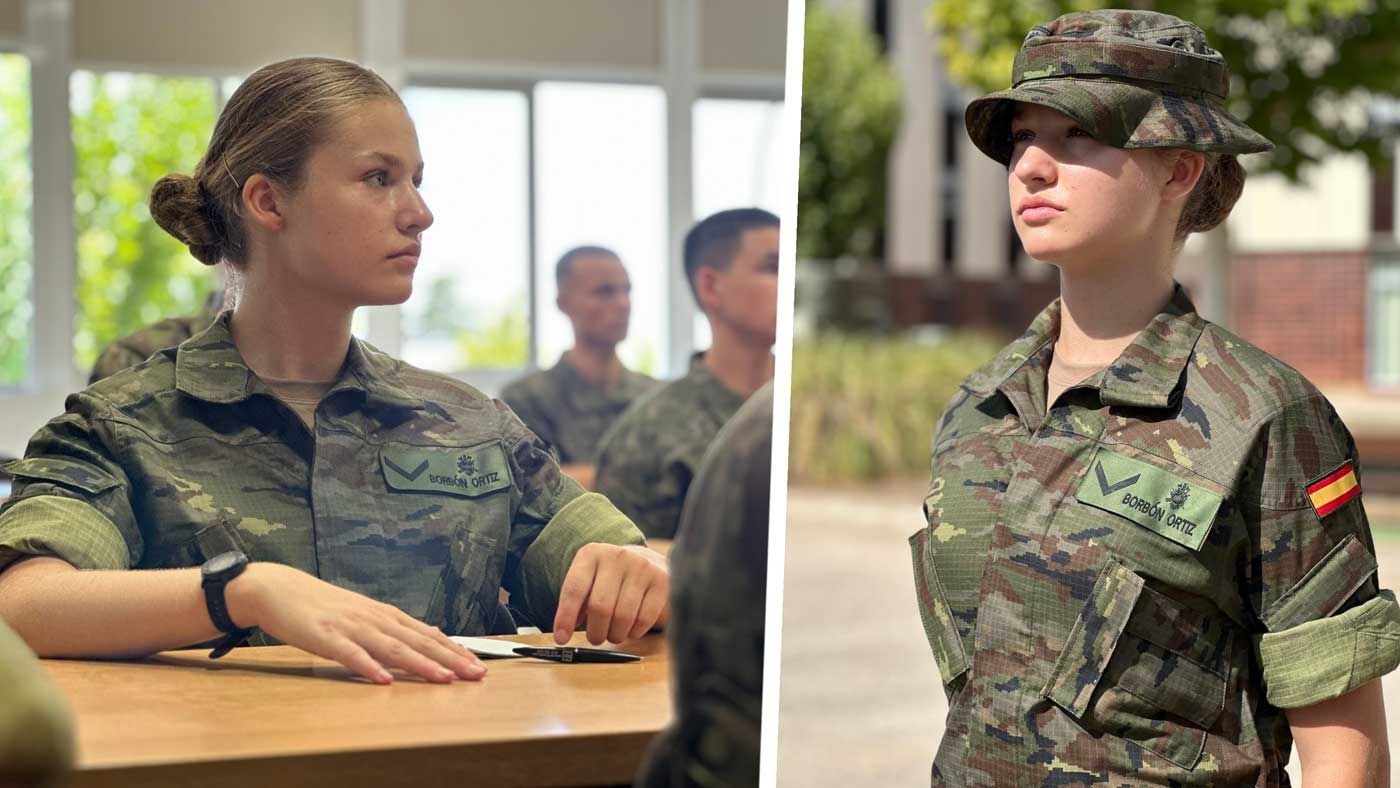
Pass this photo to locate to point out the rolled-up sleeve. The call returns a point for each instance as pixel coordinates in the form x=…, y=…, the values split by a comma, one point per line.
x=587, y=519
x=1326, y=626
x=553, y=521
x=71, y=498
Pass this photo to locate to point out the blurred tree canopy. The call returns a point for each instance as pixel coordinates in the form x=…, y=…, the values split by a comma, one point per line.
x=850, y=113
x=16, y=244
x=1303, y=71
x=128, y=131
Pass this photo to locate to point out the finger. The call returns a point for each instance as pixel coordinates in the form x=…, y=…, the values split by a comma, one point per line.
x=395, y=653
x=572, y=594
x=629, y=603
x=438, y=636
x=602, y=600
x=349, y=653
x=465, y=666
x=652, y=606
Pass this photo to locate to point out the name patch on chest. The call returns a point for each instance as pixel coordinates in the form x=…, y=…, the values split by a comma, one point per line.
x=465, y=472
x=1157, y=500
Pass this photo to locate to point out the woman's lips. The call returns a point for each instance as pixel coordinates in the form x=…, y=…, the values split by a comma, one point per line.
x=1039, y=214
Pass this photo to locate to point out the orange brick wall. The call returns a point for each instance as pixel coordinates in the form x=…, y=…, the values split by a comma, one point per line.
x=1308, y=309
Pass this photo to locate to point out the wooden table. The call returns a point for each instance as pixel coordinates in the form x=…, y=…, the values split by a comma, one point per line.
x=279, y=716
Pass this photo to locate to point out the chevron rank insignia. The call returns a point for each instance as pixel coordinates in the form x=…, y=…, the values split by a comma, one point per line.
x=1160, y=501
x=465, y=472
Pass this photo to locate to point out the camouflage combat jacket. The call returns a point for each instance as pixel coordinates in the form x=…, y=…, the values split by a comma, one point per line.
x=648, y=459
x=571, y=413
x=719, y=567
x=138, y=346
x=413, y=489
x=1130, y=589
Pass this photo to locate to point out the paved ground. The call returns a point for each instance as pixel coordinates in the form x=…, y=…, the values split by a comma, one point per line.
x=860, y=702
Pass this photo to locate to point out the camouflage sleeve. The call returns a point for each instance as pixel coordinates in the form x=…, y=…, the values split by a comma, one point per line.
x=635, y=473
x=554, y=520
x=718, y=573
x=71, y=498
x=36, y=728
x=1325, y=626
x=114, y=359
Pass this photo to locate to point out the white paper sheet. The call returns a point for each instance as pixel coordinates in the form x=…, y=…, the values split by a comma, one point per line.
x=489, y=647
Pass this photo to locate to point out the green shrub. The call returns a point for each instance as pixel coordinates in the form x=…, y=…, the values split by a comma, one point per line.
x=864, y=408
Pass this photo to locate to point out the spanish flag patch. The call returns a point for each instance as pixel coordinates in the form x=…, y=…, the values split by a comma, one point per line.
x=1329, y=493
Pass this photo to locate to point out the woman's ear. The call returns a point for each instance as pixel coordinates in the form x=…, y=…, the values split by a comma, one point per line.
x=1184, y=168
x=263, y=203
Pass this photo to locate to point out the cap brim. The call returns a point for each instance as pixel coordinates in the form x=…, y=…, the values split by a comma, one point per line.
x=1117, y=113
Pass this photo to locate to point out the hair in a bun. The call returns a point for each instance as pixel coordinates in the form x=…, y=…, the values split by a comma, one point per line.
x=271, y=125
x=179, y=206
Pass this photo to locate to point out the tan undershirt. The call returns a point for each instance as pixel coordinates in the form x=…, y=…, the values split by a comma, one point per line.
x=1063, y=375
x=302, y=396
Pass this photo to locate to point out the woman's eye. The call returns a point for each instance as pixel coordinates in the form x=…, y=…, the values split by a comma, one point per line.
x=378, y=178
x=1078, y=132
x=1022, y=135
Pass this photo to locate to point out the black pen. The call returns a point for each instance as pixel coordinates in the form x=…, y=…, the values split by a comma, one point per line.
x=572, y=654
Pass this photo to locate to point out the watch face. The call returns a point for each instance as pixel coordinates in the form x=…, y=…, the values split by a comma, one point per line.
x=221, y=563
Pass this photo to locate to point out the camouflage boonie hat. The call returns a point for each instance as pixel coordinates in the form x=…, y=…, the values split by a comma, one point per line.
x=1132, y=79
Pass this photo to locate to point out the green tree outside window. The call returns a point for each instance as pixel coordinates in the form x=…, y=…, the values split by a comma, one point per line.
x=16, y=242
x=128, y=131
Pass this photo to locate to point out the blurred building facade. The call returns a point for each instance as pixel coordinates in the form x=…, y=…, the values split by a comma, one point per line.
x=1314, y=275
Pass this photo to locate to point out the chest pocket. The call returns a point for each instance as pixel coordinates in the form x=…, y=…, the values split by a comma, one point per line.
x=467, y=493
x=1140, y=666
x=963, y=505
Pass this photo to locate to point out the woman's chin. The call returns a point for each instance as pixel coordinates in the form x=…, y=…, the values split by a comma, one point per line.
x=389, y=294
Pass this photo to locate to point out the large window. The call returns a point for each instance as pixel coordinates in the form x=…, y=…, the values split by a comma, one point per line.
x=600, y=178
x=471, y=295
x=16, y=243
x=128, y=131
x=737, y=159
x=737, y=164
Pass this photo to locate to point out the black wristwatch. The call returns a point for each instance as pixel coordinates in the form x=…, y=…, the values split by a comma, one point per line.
x=217, y=573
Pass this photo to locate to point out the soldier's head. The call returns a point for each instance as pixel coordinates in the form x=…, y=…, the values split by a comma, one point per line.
x=1114, y=133
x=310, y=180
x=731, y=261
x=595, y=293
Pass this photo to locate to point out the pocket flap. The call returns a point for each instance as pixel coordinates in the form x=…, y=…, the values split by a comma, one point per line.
x=1093, y=637
x=939, y=626
x=65, y=473
x=1325, y=588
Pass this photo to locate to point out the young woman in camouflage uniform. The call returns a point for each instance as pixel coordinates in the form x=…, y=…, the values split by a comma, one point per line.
x=1146, y=559
x=380, y=504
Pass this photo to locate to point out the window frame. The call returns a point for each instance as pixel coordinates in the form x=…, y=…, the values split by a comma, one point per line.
x=49, y=28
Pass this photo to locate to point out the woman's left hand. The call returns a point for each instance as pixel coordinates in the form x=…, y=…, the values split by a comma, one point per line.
x=620, y=592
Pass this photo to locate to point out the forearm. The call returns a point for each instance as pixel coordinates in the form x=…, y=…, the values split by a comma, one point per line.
x=63, y=612
x=1369, y=769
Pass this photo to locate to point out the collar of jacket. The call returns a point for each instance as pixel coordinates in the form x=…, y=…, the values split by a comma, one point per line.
x=209, y=367
x=1147, y=374
x=718, y=398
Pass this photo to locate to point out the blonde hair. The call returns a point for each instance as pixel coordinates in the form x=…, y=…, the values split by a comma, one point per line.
x=1214, y=196
x=270, y=125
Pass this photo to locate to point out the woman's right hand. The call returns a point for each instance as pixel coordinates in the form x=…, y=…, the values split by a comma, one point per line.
x=363, y=635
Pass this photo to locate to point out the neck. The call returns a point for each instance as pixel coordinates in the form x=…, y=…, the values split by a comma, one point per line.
x=595, y=363
x=284, y=332
x=742, y=365
x=1104, y=309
